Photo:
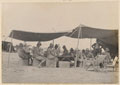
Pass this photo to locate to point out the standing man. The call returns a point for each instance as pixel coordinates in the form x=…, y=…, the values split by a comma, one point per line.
x=97, y=48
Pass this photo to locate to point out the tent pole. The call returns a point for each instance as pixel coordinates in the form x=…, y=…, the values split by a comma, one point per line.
x=78, y=38
x=79, y=33
x=90, y=43
x=53, y=42
x=53, y=39
x=81, y=50
x=10, y=49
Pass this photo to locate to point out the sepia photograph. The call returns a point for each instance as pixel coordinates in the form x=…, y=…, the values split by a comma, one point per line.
x=60, y=43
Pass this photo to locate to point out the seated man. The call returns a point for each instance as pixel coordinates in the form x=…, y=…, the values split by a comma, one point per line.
x=56, y=50
x=52, y=56
x=72, y=52
x=107, y=59
x=22, y=53
x=52, y=52
x=38, y=54
x=65, y=51
x=81, y=58
x=97, y=61
x=89, y=61
x=89, y=54
x=65, y=55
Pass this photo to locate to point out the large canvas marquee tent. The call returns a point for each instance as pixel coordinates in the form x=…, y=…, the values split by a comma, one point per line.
x=108, y=37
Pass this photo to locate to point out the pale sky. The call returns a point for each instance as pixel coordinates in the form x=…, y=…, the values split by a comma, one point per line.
x=51, y=17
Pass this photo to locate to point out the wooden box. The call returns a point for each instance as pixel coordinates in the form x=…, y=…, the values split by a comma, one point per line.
x=64, y=64
x=51, y=63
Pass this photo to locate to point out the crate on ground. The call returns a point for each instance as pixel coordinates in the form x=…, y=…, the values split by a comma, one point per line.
x=64, y=64
x=51, y=63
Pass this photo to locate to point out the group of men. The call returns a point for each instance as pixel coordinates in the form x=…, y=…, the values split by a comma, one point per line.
x=38, y=53
x=54, y=52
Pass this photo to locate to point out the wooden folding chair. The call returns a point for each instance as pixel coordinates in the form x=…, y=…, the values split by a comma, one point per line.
x=113, y=65
x=95, y=62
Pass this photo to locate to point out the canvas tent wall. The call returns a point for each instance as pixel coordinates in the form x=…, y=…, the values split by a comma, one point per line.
x=6, y=46
x=113, y=48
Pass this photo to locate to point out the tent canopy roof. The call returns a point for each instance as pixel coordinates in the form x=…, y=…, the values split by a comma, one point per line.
x=106, y=36
x=31, y=36
x=90, y=32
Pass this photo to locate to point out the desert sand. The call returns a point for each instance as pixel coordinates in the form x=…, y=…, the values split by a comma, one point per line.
x=15, y=72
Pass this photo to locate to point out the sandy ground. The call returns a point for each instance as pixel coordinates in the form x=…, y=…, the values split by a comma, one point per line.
x=15, y=72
